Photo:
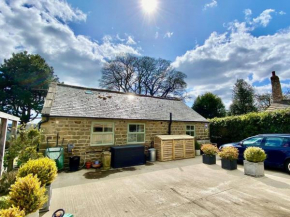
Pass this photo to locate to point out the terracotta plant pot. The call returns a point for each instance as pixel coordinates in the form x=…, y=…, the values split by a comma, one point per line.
x=88, y=165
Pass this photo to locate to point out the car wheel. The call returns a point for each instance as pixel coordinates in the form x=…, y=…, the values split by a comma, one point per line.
x=287, y=166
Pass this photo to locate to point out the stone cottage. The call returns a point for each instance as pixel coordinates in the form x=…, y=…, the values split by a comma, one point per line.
x=94, y=119
x=278, y=101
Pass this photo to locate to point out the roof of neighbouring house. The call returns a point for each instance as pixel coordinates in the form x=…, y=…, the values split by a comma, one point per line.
x=73, y=101
x=284, y=104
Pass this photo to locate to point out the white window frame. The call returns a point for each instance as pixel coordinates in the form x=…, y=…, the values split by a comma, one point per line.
x=186, y=130
x=102, y=133
x=128, y=132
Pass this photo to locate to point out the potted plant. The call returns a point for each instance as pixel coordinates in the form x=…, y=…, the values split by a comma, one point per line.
x=209, y=153
x=197, y=149
x=254, y=161
x=46, y=171
x=12, y=212
x=28, y=194
x=229, y=157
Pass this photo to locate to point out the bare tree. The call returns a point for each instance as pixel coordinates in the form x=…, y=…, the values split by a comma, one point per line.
x=263, y=101
x=143, y=75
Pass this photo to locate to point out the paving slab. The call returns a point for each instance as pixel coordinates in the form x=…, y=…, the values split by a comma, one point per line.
x=176, y=188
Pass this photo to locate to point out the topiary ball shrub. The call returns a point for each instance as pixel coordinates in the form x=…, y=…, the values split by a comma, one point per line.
x=12, y=212
x=44, y=168
x=229, y=153
x=255, y=154
x=209, y=149
x=7, y=179
x=27, y=194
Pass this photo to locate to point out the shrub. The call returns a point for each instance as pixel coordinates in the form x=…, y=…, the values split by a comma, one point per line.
x=209, y=149
x=4, y=202
x=44, y=168
x=237, y=128
x=255, y=154
x=27, y=194
x=25, y=138
x=12, y=212
x=229, y=153
x=29, y=153
x=7, y=179
x=197, y=146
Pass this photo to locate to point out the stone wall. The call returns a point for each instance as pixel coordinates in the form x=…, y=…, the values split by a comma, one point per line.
x=77, y=131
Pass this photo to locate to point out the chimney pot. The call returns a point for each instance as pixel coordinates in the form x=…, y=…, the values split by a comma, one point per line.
x=273, y=73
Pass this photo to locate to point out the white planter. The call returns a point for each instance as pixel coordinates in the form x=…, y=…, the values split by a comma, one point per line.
x=46, y=206
x=35, y=214
x=197, y=152
x=253, y=169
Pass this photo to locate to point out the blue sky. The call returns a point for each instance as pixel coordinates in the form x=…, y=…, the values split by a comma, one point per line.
x=214, y=42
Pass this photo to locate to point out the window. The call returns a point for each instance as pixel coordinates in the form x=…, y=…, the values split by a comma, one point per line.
x=286, y=142
x=102, y=133
x=190, y=130
x=253, y=141
x=274, y=142
x=136, y=133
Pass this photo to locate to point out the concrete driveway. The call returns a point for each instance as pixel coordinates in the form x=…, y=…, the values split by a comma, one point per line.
x=177, y=188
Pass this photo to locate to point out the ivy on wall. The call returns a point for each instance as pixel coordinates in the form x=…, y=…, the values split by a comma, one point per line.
x=237, y=128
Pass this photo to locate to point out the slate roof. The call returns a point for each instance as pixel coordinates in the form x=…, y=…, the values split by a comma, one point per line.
x=73, y=101
x=284, y=104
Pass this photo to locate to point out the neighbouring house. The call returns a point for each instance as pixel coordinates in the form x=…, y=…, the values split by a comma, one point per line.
x=94, y=119
x=278, y=102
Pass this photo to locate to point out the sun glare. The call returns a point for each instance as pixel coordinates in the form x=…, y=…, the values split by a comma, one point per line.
x=149, y=6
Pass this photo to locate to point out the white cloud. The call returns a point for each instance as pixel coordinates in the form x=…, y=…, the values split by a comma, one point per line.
x=264, y=17
x=168, y=34
x=130, y=40
x=156, y=35
x=212, y=4
x=282, y=13
x=40, y=26
x=223, y=58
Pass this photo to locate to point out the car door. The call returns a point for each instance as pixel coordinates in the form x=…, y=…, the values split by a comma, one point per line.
x=249, y=142
x=276, y=148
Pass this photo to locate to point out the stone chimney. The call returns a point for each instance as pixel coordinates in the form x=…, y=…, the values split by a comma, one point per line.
x=276, y=88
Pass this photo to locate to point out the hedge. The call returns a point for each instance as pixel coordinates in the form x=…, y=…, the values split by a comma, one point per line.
x=237, y=128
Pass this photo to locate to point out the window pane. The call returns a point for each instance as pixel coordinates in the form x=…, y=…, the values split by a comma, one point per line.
x=132, y=138
x=108, y=127
x=132, y=128
x=107, y=139
x=274, y=142
x=253, y=141
x=192, y=127
x=140, y=137
x=98, y=128
x=97, y=139
x=187, y=127
x=286, y=143
x=140, y=128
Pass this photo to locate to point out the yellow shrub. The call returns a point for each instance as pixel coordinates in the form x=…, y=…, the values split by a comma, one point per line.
x=12, y=212
x=255, y=154
x=209, y=149
x=44, y=168
x=27, y=194
x=230, y=153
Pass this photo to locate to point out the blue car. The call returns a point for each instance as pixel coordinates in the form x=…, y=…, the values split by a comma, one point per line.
x=276, y=146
